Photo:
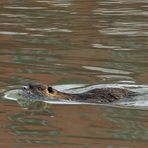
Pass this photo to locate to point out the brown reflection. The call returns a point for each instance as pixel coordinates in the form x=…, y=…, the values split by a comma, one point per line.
x=84, y=33
x=56, y=49
x=73, y=126
x=7, y=1
x=83, y=23
x=7, y=136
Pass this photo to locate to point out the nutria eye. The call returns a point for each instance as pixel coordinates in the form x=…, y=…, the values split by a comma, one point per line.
x=50, y=90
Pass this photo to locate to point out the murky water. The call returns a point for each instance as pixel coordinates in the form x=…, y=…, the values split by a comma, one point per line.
x=66, y=42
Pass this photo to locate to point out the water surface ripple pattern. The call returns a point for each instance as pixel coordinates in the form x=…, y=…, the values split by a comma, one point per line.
x=73, y=42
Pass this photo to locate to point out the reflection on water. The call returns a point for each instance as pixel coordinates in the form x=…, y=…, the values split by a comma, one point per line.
x=115, y=125
x=73, y=42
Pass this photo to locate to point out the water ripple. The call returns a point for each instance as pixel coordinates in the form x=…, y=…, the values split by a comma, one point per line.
x=54, y=29
x=120, y=12
x=114, y=77
x=104, y=46
x=121, y=31
x=14, y=15
x=12, y=33
x=24, y=8
x=107, y=70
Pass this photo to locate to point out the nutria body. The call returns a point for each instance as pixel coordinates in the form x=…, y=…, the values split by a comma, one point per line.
x=98, y=95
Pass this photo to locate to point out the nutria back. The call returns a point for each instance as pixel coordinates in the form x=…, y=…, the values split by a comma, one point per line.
x=104, y=95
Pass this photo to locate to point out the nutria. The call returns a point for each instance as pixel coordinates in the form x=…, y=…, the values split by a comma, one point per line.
x=98, y=95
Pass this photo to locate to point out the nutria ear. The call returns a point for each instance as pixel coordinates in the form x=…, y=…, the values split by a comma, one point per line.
x=50, y=90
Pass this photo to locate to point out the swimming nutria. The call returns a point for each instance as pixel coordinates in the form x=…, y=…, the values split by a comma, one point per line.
x=98, y=95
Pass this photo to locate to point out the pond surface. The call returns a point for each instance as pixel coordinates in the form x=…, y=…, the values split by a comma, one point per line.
x=67, y=42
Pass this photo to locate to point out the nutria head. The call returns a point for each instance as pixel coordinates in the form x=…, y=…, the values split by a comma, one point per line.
x=39, y=90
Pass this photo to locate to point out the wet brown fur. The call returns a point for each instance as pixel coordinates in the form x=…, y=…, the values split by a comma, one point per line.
x=98, y=95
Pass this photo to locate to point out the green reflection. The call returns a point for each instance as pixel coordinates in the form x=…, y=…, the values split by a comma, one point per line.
x=130, y=124
x=38, y=132
x=27, y=121
x=33, y=104
x=51, y=41
x=49, y=142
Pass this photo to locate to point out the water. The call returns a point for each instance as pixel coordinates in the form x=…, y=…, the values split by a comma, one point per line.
x=65, y=42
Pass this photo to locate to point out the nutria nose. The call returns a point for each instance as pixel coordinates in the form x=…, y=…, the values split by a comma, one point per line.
x=25, y=87
x=28, y=86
